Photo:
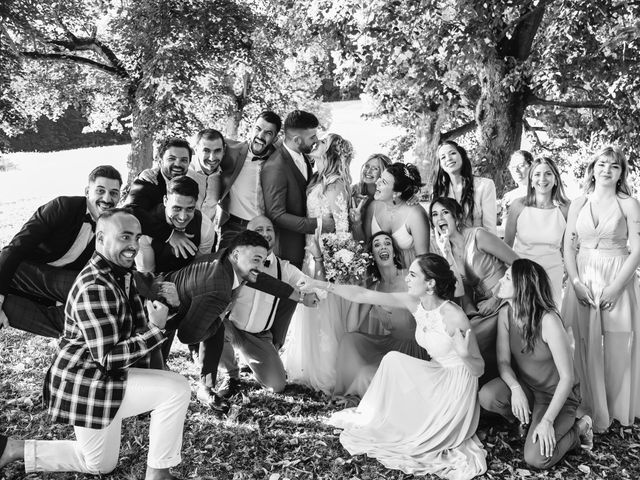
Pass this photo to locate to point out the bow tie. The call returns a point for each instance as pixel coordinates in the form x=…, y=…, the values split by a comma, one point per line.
x=264, y=155
x=267, y=263
x=89, y=219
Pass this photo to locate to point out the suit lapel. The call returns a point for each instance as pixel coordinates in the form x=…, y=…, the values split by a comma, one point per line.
x=309, y=168
x=291, y=165
x=241, y=157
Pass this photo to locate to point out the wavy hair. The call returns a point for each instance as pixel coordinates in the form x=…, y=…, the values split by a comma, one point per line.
x=615, y=154
x=443, y=182
x=372, y=269
x=558, y=194
x=339, y=154
x=532, y=299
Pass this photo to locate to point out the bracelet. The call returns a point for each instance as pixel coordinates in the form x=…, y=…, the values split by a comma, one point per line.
x=317, y=259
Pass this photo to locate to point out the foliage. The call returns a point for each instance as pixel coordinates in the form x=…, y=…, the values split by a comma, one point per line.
x=152, y=66
x=458, y=66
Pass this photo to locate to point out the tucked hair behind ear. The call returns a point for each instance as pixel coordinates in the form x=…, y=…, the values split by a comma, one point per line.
x=437, y=268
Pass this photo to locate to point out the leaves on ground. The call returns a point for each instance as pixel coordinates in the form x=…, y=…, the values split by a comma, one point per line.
x=267, y=436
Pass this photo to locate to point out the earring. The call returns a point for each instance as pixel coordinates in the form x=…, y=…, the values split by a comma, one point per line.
x=593, y=179
x=430, y=290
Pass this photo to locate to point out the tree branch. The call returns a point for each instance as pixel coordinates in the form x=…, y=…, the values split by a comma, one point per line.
x=529, y=128
x=74, y=58
x=458, y=131
x=521, y=19
x=535, y=100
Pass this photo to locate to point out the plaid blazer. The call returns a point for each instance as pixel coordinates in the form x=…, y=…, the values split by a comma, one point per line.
x=105, y=333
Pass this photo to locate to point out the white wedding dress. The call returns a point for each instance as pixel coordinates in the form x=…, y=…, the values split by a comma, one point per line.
x=311, y=348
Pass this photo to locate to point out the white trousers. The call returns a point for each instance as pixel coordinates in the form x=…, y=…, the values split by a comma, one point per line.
x=165, y=394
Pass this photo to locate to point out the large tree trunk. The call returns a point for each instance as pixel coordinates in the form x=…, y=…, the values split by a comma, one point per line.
x=141, y=155
x=499, y=118
x=426, y=147
x=232, y=124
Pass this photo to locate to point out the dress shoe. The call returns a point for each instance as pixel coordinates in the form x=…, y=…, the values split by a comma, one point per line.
x=207, y=396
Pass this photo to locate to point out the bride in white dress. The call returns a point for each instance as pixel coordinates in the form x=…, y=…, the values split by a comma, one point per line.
x=421, y=416
x=312, y=343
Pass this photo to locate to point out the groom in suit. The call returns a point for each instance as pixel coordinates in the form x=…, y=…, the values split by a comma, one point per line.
x=284, y=180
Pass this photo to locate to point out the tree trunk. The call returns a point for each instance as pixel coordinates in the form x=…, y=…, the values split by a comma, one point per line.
x=141, y=155
x=232, y=124
x=426, y=147
x=499, y=119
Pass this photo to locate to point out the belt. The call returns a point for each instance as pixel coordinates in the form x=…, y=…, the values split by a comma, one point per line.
x=238, y=220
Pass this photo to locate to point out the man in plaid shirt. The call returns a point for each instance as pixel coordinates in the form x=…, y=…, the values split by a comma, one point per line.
x=98, y=377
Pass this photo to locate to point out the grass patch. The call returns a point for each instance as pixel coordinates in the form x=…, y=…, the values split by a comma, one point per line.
x=266, y=436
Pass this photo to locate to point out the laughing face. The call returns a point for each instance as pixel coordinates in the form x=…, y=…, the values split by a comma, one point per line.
x=102, y=194
x=519, y=168
x=175, y=162
x=443, y=220
x=264, y=227
x=117, y=239
x=248, y=261
x=209, y=154
x=179, y=210
x=263, y=135
x=382, y=249
x=384, y=187
x=417, y=282
x=371, y=171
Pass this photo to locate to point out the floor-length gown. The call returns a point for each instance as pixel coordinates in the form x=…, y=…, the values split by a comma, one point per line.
x=312, y=343
x=419, y=416
x=539, y=233
x=360, y=354
x=607, y=353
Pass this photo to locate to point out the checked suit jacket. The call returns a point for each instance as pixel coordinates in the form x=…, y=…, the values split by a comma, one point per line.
x=105, y=333
x=205, y=291
x=285, y=199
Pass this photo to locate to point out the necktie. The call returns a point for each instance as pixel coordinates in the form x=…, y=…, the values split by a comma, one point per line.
x=89, y=219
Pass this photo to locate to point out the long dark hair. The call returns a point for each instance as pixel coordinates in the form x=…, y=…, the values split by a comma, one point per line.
x=532, y=299
x=451, y=205
x=406, y=179
x=372, y=269
x=443, y=182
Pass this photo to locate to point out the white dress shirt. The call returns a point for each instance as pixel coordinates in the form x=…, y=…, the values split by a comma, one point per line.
x=245, y=196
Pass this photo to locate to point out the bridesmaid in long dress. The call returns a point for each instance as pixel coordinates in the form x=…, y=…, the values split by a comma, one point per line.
x=602, y=254
x=421, y=416
x=360, y=354
x=476, y=195
x=408, y=224
x=481, y=259
x=537, y=221
x=537, y=385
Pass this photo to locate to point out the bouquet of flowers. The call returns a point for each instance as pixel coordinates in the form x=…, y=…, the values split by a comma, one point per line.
x=345, y=260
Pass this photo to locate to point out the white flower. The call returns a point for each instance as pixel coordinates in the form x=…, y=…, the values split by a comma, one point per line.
x=345, y=256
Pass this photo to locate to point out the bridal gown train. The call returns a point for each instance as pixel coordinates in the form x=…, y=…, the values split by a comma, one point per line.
x=419, y=416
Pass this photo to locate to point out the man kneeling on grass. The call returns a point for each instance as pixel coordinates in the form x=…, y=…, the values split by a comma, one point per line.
x=98, y=376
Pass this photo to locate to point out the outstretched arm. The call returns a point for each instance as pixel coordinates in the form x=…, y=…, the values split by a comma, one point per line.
x=358, y=294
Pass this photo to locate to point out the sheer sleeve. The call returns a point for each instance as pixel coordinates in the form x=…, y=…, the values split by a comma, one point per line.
x=337, y=202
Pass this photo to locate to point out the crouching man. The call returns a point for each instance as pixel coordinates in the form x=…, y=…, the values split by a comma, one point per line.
x=99, y=377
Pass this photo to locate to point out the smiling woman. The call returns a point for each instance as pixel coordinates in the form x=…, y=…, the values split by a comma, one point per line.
x=536, y=222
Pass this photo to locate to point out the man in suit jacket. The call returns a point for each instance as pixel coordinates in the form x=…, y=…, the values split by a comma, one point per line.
x=98, y=377
x=41, y=262
x=242, y=198
x=207, y=289
x=284, y=181
x=173, y=156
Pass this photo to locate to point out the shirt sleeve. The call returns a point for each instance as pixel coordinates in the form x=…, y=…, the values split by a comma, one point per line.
x=95, y=310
